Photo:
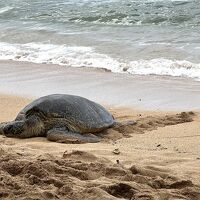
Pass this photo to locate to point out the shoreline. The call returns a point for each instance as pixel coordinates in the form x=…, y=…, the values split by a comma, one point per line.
x=139, y=60
x=120, y=90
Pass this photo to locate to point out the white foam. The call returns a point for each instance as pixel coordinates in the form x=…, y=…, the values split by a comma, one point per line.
x=58, y=54
x=161, y=66
x=74, y=56
x=5, y=9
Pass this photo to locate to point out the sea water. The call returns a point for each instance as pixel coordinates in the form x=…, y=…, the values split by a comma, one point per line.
x=158, y=37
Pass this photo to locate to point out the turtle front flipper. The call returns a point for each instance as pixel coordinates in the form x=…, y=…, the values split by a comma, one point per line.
x=65, y=136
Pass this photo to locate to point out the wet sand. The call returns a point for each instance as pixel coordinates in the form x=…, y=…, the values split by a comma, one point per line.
x=155, y=93
x=156, y=159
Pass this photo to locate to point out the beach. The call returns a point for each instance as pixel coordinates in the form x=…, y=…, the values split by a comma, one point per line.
x=115, y=89
x=137, y=58
x=157, y=159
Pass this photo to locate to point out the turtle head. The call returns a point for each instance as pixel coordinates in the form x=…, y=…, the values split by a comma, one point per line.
x=14, y=129
x=30, y=127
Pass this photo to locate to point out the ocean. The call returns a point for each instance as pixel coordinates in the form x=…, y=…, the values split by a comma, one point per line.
x=145, y=37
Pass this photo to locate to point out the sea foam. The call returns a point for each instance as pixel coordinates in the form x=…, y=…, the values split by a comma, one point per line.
x=74, y=56
x=5, y=9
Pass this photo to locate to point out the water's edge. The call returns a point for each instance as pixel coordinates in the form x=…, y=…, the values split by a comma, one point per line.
x=150, y=92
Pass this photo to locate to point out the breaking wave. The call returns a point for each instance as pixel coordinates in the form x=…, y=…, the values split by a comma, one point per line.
x=73, y=56
x=112, y=12
x=5, y=9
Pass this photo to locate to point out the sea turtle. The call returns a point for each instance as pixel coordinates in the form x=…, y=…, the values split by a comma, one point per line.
x=60, y=117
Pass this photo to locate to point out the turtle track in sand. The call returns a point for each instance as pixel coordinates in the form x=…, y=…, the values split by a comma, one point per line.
x=144, y=124
x=81, y=175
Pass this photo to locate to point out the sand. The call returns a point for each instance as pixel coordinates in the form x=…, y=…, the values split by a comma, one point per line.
x=158, y=158
x=143, y=92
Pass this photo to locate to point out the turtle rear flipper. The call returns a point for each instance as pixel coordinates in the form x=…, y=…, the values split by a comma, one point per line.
x=65, y=136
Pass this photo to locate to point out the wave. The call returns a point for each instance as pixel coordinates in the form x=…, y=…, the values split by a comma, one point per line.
x=73, y=56
x=5, y=9
x=111, y=12
x=123, y=19
x=166, y=67
x=144, y=12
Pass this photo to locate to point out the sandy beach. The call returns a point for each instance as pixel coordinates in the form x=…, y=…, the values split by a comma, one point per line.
x=137, y=58
x=114, y=89
x=158, y=158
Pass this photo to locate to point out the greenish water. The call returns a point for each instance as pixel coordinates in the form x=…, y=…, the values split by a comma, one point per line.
x=125, y=36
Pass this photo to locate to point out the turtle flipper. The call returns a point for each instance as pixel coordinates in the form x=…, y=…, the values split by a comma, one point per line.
x=65, y=136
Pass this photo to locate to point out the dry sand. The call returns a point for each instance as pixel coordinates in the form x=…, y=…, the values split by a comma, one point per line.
x=159, y=158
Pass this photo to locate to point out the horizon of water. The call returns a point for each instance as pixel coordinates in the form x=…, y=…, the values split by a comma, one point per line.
x=159, y=37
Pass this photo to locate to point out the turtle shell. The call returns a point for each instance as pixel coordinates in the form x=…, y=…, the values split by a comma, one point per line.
x=79, y=113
